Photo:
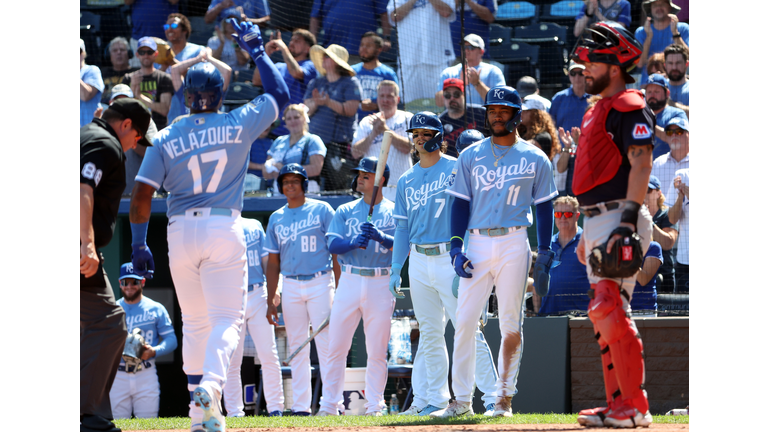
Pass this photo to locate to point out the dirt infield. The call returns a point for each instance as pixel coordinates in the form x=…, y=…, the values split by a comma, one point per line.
x=445, y=428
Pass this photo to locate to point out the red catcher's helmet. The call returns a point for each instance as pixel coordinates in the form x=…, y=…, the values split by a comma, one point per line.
x=608, y=42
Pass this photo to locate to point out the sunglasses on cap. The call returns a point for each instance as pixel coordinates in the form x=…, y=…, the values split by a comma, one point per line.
x=671, y=132
x=174, y=26
x=563, y=215
x=145, y=52
x=449, y=95
x=575, y=73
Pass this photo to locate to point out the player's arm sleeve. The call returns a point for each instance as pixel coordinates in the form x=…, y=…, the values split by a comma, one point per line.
x=545, y=220
x=335, y=238
x=167, y=334
x=272, y=82
x=401, y=245
x=459, y=222
x=152, y=170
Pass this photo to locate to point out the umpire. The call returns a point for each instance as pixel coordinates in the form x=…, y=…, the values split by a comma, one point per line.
x=103, y=144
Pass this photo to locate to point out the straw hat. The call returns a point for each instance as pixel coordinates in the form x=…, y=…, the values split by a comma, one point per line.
x=337, y=53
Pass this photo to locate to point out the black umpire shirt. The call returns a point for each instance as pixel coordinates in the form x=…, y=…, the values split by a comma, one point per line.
x=102, y=166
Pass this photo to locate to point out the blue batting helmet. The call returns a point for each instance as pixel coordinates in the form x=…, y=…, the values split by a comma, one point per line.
x=505, y=96
x=292, y=168
x=203, y=87
x=428, y=120
x=368, y=165
x=467, y=138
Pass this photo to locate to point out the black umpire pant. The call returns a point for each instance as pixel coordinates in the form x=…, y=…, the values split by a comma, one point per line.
x=102, y=340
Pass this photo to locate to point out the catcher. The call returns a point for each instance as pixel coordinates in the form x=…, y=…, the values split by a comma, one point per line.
x=613, y=164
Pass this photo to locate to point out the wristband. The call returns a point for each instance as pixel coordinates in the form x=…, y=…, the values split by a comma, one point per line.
x=457, y=237
x=676, y=35
x=139, y=232
x=629, y=215
x=589, y=15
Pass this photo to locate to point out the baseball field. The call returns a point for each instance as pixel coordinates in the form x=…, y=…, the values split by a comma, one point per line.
x=519, y=422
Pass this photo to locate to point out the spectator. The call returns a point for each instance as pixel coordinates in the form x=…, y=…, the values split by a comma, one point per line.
x=528, y=87
x=569, y=105
x=480, y=75
x=149, y=85
x=660, y=30
x=177, y=30
x=535, y=122
x=478, y=15
x=299, y=146
x=602, y=10
x=425, y=46
x=345, y=21
x=677, y=158
x=297, y=70
x=291, y=16
x=678, y=200
x=255, y=11
x=455, y=119
x=333, y=99
x=258, y=156
x=643, y=301
x=655, y=65
x=113, y=75
x=567, y=160
x=676, y=65
x=225, y=48
x=179, y=72
x=664, y=233
x=369, y=134
x=147, y=19
x=91, y=87
x=370, y=71
x=657, y=97
x=568, y=281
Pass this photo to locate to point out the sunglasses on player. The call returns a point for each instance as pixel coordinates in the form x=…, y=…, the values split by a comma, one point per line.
x=671, y=132
x=174, y=26
x=564, y=215
x=130, y=281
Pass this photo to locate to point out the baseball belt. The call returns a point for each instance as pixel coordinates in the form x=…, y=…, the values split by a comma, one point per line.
x=134, y=369
x=370, y=272
x=307, y=277
x=495, y=232
x=596, y=210
x=255, y=287
x=433, y=250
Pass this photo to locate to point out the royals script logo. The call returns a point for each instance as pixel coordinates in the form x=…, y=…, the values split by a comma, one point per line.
x=291, y=232
x=416, y=198
x=486, y=179
x=353, y=225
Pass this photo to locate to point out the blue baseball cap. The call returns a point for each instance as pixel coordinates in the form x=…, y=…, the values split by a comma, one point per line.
x=148, y=42
x=126, y=271
x=659, y=80
x=654, y=183
x=681, y=122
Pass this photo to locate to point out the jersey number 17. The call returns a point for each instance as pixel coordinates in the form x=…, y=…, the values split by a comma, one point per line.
x=194, y=166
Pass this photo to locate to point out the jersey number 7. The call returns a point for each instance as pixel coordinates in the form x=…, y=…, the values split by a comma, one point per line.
x=194, y=166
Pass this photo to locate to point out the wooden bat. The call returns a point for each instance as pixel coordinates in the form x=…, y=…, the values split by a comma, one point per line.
x=322, y=327
x=381, y=165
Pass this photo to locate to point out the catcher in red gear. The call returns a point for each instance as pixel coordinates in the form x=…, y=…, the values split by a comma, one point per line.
x=613, y=164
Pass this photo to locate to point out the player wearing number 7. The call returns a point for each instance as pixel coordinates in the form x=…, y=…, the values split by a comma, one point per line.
x=201, y=160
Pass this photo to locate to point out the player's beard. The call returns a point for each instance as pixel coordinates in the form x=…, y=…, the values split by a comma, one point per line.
x=134, y=296
x=504, y=132
x=655, y=105
x=675, y=75
x=595, y=85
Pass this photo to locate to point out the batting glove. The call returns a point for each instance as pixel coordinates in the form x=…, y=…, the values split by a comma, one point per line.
x=141, y=258
x=544, y=262
x=361, y=241
x=460, y=263
x=248, y=36
x=372, y=231
x=394, y=282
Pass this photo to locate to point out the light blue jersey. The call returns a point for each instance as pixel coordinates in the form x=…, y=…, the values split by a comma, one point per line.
x=254, y=242
x=202, y=159
x=154, y=322
x=421, y=200
x=523, y=178
x=346, y=226
x=298, y=235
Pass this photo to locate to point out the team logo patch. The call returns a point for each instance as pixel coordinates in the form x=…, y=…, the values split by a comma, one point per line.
x=641, y=130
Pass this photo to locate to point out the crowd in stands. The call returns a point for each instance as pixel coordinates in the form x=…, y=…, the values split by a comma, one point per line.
x=343, y=98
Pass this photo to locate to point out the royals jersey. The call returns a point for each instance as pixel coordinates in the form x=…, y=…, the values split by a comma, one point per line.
x=501, y=196
x=346, y=226
x=254, y=242
x=298, y=235
x=202, y=158
x=421, y=200
x=153, y=320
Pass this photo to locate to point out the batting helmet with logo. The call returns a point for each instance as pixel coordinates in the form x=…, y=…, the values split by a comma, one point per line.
x=203, y=87
x=608, y=42
x=428, y=120
x=505, y=96
x=292, y=168
x=467, y=138
x=368, y=165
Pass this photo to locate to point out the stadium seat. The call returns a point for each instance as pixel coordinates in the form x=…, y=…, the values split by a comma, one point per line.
x=516, y=13
x=90, y=33
x=201, y=31
x=553, y=52
x=498, y=35
x=519, y=59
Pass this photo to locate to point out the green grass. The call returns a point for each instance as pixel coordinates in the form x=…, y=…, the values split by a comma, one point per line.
x=364, y=421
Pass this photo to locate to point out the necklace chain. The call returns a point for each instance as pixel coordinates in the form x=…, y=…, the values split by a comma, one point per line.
x=493, y=145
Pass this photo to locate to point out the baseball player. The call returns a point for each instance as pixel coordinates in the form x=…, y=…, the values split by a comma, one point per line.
x=262, y=332
x=362, y=247
x=136, y=388
x=613, y=165
x=497, y=181
x=297, y=249
x=201, y=160
x=422, y=213
x=467, y=138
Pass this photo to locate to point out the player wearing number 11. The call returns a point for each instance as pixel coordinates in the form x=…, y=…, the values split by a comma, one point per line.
x=201, y=160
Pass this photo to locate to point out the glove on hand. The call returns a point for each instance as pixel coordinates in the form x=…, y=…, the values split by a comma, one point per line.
x=544, y=263
x=248, y=36
x=373, y=232
x=460, y=263
x=361, y=241
x=141, y=258
x=394, y=283
x=625, y=259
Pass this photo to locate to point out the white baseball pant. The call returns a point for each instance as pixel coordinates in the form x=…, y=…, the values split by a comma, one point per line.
x=431, y=280
x=503, y=261
x=263, y=335
x=305, y=303
x=208, y=264
x=365, y=297
x=137, y=393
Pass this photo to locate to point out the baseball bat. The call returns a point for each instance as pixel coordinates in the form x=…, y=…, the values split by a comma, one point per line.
x=381, y=165
x=322, y=327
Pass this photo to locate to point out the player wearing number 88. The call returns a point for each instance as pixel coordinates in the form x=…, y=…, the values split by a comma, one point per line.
x=202, y=160
x=296, y=244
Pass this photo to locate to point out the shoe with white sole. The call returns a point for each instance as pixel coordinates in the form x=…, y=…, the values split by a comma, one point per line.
x=503, y=407
x=374, y=414
x=429, y=409
x=412, y=410
x=489, y=409
x=208, y=400
x=454, y=409
x=628, y=417
x=593, y=417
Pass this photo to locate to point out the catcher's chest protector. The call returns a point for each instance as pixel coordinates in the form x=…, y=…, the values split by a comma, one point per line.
x=598, y=158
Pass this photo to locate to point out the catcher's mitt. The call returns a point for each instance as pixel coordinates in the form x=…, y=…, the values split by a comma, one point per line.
x=625, y=258
x=165, y=54
x=134, y=348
